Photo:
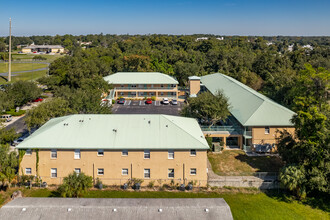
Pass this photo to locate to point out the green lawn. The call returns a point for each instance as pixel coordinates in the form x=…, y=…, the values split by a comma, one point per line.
x=15, y=67
x=243, y=205
x=237, y=163
x=23, y=57
x=25, y=76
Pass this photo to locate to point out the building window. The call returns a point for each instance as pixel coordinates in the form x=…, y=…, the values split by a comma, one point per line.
x=192, y=153
x=100, y=153
x=124, y=153
x=170, y=173
x=77, y=170
x=53, y=172
x=267, y=130
x=161, y=85
x=147, y=154
x=28, y=171
x=124, y=171
x=171, y=154
x=28, y=152
x=193, y=171
x=53, y=154
x=100, y=171
x=121, y=93
x=122, y=85
x=146, y=173
x=76, y=154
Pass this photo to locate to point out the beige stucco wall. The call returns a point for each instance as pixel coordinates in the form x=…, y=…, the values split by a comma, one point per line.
x=112, y=162
x=194, y=86
x=57, y=50
x=24, y=50
x=259, y=136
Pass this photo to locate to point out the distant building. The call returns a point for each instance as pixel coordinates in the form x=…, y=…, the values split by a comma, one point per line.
x=290, y=47
x=219, y=38
x=308, y=46
x=116, y=208
x=202, y=38
x=254, y=120
x=118, y=147
x=143, y=84
x=43, y=48
x=269, y=43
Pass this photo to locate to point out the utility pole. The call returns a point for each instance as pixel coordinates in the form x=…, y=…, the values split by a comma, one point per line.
x=9, y=67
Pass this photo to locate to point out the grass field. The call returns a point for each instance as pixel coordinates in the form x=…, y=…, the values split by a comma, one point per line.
x=15, y=67
x=237, y=163
x=25, y=76
x=23, y=57
x=255, y=205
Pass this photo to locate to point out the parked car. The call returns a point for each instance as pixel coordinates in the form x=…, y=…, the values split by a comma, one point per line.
x=174, y=102
x=7, y=118
x=38, y=100
x=149, y=101
x=18, y=141
x=165, y=101
x=121, y=101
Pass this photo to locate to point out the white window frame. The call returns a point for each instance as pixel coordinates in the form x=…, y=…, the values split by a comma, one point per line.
x=77, y=171
x=77, y=154
x=193, y=171
x=124, y=153
x=171, y=154
x=146, y=172
x=52, y=155
x=146, y=154
x=53, y=171
x=100, y=173
x=123, y=171
x=28, y=152
x=169, y=171
x=193, y=154
x=28, y=173
x=267, y=130
x=100, y=151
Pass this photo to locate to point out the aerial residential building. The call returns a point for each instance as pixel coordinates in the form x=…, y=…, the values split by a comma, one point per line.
x=115, y=148
x=254, y=120
x=43, y=48
x=143, y=84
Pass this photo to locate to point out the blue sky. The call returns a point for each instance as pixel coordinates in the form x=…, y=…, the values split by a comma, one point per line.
x=223, y=17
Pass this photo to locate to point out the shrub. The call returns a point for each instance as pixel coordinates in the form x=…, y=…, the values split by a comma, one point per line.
x=113, y=101
x=153, y=98
x=75, y=185
x=133, y=181
x=38, y=57
x=14, y=113
x=151, y=184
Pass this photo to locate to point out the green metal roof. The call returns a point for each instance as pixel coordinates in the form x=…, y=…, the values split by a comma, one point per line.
x=115, y=132
x=140, y=78
x=248, y=106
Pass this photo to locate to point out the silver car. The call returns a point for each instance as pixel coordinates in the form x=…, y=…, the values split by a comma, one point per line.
x=165, y=101
x=174, y=102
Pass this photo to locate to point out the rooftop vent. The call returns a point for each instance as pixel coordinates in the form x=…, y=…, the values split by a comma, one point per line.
x=65, y=124
x=23, y=209
x=81, y=120
x=115, y=130
x=149, y=121
x=115, y=210
x=160, y=210
x=69, y=209
x=206, y=210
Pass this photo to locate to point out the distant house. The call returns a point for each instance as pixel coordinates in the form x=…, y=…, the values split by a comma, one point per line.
x=255, y=119
x=308, y=47
x=116, y=148
x=219, y=38
x=43, y=48
x=143, y=84
x=201, y=38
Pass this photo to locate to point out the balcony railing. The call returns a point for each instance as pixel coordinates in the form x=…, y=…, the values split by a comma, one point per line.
x=230, y=129
x=248, y=133
x=144, y=88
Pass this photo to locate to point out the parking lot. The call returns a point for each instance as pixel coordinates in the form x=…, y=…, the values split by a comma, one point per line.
x=140, y=107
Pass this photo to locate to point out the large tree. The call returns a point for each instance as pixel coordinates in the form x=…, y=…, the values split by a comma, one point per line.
x=208, y=107
x=75, y=185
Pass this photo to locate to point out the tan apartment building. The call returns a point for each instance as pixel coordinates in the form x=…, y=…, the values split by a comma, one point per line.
x=138, y=85
x=116, y=148
x=255, y=120
x=43, y=48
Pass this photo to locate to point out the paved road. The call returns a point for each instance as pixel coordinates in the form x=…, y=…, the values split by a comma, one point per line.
x=139, y=107
x=25, y=71
x=19, y=125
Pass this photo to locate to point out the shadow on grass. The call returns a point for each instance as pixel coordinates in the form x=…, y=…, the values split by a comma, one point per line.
x=316, y=200
x=54, y=194
x=262, y=163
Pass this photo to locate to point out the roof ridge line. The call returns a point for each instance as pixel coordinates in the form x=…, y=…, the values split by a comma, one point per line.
x=253, y=113
x=165, y=116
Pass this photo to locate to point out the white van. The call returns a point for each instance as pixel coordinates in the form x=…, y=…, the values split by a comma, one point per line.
x=7, y=118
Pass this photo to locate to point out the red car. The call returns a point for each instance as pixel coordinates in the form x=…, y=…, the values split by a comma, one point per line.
x=37, y=100
x=148, y=101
